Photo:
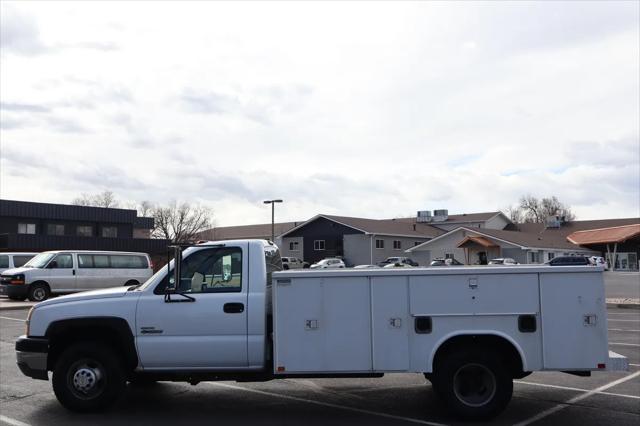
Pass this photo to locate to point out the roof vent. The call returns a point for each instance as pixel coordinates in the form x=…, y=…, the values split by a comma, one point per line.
x=440, y=215
x=424, y=216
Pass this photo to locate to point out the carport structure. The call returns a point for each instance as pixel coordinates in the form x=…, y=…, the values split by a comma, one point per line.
x=481, y=247
x=625, y=237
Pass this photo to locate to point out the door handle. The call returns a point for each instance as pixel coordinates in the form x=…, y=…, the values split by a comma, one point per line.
x=233, y=308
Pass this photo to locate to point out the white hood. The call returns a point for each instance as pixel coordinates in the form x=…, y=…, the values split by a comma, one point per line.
x=16, y=271
x=87, y=295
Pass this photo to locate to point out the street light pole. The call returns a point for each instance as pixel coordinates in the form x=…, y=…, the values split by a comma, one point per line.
x=273, y=204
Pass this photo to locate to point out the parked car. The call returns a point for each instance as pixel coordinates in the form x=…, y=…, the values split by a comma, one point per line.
x=366, y=267
x=14, y=260
x=56, y=272
x=294, y=263
x=568, y=261
x=398, y=259
x=330, y=263
x=397, y=265
x=503, y=261
x=445, y=262
x=599, y=261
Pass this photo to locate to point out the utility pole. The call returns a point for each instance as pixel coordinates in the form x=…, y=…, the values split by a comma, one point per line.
x=273, y=204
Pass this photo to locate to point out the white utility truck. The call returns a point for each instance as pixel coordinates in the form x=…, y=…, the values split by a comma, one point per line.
x=470, y=331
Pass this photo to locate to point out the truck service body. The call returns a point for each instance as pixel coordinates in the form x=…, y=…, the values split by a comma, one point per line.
x=234, y=316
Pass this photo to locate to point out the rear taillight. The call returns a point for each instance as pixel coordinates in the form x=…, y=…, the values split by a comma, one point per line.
x=150, y=263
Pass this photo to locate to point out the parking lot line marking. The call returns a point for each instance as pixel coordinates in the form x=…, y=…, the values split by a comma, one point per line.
x=384, y=388
x=617, y=320
x=622, y=329
x=12, y=422
x=544, y=385
x=573, y=400
x=623, y=344
x=328, y=404
x=13, y=319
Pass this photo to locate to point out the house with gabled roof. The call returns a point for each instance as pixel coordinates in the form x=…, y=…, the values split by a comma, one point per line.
x=358, y=240
x=538, y=242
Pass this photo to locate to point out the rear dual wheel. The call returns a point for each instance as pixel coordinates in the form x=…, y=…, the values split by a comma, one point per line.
x=474, y=386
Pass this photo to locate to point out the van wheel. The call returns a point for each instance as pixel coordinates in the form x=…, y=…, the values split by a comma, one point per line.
x=88, y=377
x=39, y=292
x=473, y=386
x=131, y=282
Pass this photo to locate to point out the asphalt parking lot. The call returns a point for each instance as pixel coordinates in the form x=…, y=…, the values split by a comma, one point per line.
x=541, y=398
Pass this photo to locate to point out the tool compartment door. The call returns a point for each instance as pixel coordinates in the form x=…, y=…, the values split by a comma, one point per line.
x=322, y=325
x=391, y=323
x=574, y=322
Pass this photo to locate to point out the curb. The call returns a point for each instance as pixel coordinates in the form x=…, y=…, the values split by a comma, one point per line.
x=624, y=305
x=14, y=308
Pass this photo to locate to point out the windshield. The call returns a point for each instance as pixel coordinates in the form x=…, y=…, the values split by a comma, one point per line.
x=40, y=261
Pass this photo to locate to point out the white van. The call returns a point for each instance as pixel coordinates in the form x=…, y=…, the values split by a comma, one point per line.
x=65, y=271
x=14, y=260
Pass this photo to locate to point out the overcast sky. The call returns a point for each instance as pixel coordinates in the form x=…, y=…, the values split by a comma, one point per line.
x=357, y=109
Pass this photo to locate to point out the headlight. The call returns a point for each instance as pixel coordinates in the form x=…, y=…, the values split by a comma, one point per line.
x=28, y=322
x=17, y=279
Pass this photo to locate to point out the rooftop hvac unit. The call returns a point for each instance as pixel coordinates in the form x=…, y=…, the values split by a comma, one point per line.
x=554, y=222
x=440, y=215
x=424, y=216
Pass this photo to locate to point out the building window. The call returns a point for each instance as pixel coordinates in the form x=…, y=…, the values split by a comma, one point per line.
x=318, y=245
x=293, y=246
x=379, y=244
x=26, y=228
x=448, y=256
x=110, y=231
x=550, y=256
x=397, y=245
x=54, y=229
x=85, y=231
x=533, y=257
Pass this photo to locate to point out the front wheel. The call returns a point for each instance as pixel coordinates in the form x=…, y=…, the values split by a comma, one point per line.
x=474, y=386
x=88, y=377
x=38, y=292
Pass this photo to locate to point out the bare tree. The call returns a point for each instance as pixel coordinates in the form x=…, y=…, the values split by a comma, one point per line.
x=553, y=207
x=514, y=213
x=180, y=222
x=104, y=199
x=538, y=210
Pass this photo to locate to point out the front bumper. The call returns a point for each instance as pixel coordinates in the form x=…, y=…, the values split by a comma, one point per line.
x=31, y=354
x=16, y=291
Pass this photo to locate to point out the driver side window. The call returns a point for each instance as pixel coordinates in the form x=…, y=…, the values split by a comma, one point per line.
x=216, y=270
x=62, y=261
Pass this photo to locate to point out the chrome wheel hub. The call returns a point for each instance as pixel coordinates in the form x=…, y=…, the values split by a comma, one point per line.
x=85, y=379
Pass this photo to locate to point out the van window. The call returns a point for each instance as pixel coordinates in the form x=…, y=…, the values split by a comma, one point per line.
x=62, y=261
x=85, y=261
x=4, y=261
x=128, y=262
x=100, y=261
x=19, y=261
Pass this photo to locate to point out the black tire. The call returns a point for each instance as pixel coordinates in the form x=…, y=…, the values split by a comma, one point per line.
x=285, y=267
x=474, y=386
x=38, y=292
x=88, y=377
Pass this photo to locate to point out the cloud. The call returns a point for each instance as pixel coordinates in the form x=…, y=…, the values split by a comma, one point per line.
x=66, y=125
x=19, y=32
x=8, y=106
